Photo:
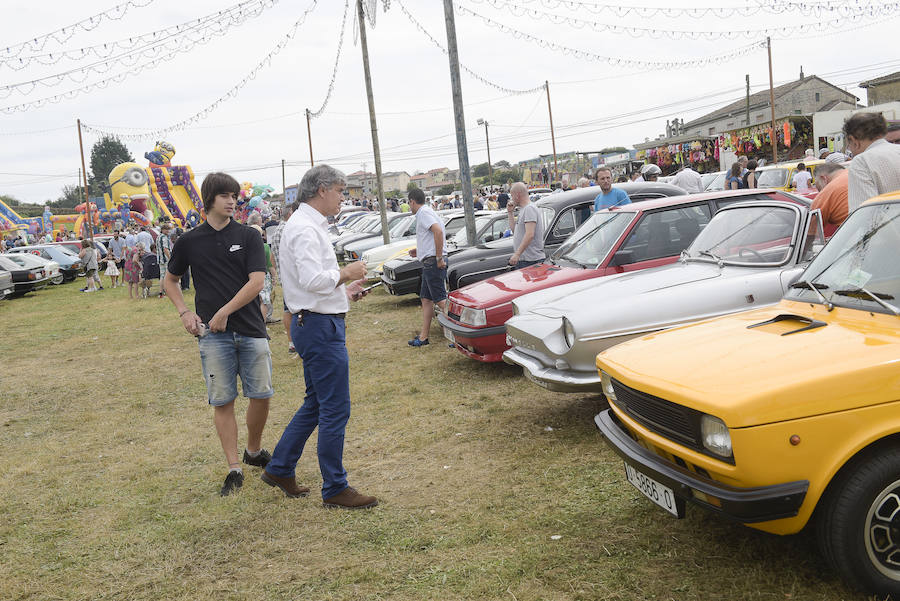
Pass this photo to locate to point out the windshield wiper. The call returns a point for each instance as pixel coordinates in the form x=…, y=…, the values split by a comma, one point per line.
x=712, y=256
x=815, y=288
x=861, y=292
x=571, y=260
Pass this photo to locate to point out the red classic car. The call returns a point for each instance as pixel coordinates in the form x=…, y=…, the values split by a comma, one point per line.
x=617, y=240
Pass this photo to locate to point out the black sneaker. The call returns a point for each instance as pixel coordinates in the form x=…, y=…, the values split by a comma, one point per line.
x=261, y=460
x=233, y=481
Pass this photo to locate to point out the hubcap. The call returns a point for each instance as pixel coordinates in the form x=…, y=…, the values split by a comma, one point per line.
x=882, y=531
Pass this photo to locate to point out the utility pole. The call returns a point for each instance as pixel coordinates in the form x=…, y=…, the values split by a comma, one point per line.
x=87, y=197
x=461, y=146
x=386, y=235
x=748, y=100
x=772, y=103
x=309, y=136
x=487, y=139
x=552, y=135
x=283, y=186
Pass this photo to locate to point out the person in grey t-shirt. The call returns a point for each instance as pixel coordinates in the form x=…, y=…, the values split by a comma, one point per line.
x=528, y=229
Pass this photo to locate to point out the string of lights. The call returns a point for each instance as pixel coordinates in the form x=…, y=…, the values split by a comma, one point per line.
x=814, y=9
x=202, y=114
x=63, y=34
x=869, y=12
x=475, y=75
x=337, y=59
x=152, y=54
x=615, y=61
x=106, y=50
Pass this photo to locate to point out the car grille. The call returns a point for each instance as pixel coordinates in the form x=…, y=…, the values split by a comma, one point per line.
x=661, y=416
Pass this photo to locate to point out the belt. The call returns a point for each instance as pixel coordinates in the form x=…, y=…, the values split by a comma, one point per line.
x=304, y=312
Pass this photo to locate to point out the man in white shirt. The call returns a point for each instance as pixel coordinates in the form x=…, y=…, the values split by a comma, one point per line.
x=430, y=251
x=317, y=297
x=801, y=179
x=875, y=168
x=688, y=180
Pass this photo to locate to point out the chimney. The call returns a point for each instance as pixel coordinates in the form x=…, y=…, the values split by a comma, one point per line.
x=801, y=73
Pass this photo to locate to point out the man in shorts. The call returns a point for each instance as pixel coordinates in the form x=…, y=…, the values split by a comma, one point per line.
x=228, y=265
x=430, y=250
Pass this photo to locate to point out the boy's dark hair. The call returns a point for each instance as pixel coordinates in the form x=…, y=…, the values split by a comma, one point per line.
x=751, y=165
x=801, y=167
x=417, y=196
x=866, y=126
x=215, y=184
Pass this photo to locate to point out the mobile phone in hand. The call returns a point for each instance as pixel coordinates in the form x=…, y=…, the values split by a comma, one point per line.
x=375, y=285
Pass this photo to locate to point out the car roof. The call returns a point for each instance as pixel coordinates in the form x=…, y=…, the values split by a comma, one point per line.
x=656, y=203
x=590, y=192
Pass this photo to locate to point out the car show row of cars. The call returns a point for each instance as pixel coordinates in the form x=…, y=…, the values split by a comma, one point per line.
x=749, y=366
x=25, y=269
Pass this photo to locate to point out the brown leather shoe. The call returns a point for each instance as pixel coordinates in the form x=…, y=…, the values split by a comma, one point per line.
x=350, y=498
x=288, y=485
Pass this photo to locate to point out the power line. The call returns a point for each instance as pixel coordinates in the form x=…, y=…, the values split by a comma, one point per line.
x=337, y=59
x=475, y=75
x=267, y=60
x=870, y=11
x=615, y=61
x=63, y=34
x=106, y=50
x=155, y=52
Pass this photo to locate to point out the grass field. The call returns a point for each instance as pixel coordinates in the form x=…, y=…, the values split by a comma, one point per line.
x=110, y=469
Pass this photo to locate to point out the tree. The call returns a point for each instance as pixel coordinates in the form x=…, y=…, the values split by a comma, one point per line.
x=502, y=165
x=612, y=149
x=106, y=153
x=410, y=187
x=444, y=190
x=481, y=170
x=10, y=200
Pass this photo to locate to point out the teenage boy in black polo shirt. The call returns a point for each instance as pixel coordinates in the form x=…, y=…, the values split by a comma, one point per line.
x=228, y=265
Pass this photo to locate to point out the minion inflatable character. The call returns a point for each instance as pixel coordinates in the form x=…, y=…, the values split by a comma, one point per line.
x=162, y=155
x=128, y=183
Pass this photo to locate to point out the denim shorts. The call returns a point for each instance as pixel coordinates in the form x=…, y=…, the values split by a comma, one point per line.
x=433, y=287
x=226, y=355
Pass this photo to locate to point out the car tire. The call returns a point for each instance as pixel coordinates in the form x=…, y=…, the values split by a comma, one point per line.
x=58, y=280
x=858, y=524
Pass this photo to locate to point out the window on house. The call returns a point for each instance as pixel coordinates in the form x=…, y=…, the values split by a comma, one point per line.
x=817, y=97
x=760, y=117
x=730, y=125
x=712, y=130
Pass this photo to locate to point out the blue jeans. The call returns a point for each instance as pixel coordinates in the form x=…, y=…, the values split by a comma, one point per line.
x=226, y=355
x=523, y=264
x=321, y=344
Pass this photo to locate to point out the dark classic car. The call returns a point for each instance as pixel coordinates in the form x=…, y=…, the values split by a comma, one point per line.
x=25, y=279
x=562, y=214
x=404, y=276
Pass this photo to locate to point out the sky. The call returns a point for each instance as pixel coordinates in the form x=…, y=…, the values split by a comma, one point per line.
x=615, y=77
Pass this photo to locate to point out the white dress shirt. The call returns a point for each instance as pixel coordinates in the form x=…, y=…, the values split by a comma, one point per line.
x=874, y=171
x=309, y=268
x=688, y=180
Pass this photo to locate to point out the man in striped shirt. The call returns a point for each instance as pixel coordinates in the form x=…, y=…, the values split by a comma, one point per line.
x=875, y=168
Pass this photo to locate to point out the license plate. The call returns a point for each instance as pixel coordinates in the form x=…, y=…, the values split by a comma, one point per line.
x=530, y=376
x=656, y=492
x=449, y=336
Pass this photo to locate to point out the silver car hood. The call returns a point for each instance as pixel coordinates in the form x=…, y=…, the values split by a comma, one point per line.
x=614, y=309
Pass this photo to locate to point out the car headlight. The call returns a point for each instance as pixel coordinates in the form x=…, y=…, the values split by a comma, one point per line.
x=715, y=436
x=473, y=317
x=606, y=385
x=569, y=332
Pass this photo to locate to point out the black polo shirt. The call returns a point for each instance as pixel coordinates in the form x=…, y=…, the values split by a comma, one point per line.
x=221, y=263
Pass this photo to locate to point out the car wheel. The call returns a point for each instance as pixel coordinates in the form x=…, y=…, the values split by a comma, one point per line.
x=58, y=279
x=859, y=524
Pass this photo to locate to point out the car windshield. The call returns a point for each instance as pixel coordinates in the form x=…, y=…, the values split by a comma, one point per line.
x=858, y=262
x=460, y=238
x=589, y=245
x=713, y=182
x=456, y=224
x=746, y=236
x=772, y=178
x=23, y=260
x=63, y=250
x=8, y=265
x=372, y=224
x=400, y=226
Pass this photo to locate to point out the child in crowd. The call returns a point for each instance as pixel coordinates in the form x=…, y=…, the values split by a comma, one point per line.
x=112, y=270
x=149, y=271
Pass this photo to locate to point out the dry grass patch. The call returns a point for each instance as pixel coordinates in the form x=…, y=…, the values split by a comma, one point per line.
x=110, y=467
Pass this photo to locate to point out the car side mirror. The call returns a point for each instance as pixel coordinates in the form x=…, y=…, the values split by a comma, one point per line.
x=623, y=257
x=488, y=238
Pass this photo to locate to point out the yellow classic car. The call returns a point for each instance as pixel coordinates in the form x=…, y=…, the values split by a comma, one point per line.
x=782, y=416
x=781, y=175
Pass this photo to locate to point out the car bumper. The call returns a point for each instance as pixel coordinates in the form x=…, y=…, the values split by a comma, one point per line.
x=745, y=505
x=550, y=378
x=481, y=344
x=401, y=287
